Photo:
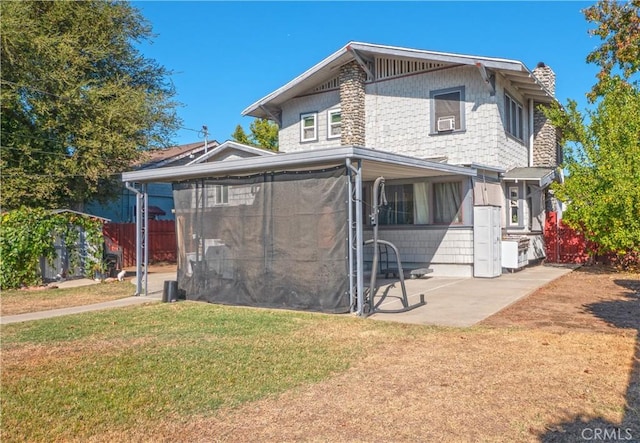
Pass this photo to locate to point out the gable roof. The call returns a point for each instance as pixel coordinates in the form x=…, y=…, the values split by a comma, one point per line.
x=159, y=158
x=231, y=145
x=515, y=71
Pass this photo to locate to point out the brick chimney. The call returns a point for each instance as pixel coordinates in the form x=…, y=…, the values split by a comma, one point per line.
x=546, y=141
x=352, y=98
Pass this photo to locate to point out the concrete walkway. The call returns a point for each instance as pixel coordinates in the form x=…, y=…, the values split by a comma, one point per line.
x=154, y=295
x=450, y=301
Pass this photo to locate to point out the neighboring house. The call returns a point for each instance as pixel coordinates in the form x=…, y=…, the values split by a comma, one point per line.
x=449, y=133
x=123, y=209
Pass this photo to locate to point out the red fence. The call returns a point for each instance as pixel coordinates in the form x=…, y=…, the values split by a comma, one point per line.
x=563, y=244
x=162, y=240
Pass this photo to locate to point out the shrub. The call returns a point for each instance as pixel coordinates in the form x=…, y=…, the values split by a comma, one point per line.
x=27, y=234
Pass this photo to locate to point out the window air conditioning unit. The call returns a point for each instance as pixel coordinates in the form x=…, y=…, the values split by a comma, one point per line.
x=446, y=123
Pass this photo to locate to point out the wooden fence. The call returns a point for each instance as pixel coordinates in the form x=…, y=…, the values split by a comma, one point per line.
x=563, y=244
x=121, y=237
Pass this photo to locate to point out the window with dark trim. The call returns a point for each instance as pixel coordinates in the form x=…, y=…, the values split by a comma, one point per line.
x=447, y=113
x=447, y=202
x=513, y=117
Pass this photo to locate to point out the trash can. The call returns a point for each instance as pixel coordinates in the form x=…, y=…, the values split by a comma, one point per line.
x=170, y=293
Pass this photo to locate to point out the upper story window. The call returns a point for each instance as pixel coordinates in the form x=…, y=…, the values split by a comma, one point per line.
x=513, y=117
x=447, y=113
x=309, y=127
x=334, y=123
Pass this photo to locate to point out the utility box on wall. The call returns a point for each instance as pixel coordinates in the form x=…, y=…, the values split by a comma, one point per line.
x=487, y=261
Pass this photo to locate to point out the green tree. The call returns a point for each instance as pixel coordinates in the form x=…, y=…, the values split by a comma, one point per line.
x=264, y=134
x=602, y=146
x=79, y=101
x=602, y=188
x=240, y=136
x=618, y=26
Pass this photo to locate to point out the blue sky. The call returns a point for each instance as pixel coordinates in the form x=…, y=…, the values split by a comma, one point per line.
x=227, y=55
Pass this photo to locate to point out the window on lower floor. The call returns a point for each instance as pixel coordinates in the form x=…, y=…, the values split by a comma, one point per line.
x=419, y=203
x=447, y=202
x=514, y=206
x=399, y=207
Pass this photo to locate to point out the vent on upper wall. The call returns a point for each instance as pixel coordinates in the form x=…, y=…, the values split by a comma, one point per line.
x=446, y=123
x=394, y=67
x=334, y=83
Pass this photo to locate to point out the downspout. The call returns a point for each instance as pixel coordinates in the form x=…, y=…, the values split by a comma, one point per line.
x=352, y=294
x=359, y=238
x=531, y=122
x=138, y=239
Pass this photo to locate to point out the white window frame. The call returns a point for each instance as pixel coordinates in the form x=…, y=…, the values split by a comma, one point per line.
x=331, y=125
x=513, y=198
x=303, y=117
x=515, y=128
x=460, y=123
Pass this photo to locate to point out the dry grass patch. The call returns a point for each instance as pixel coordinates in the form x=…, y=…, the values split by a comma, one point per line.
x=15, y=302
x=565, y=359
x=472, y=385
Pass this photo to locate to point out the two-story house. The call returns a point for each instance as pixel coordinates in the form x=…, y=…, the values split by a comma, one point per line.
x=464, y=110
x=449, y=134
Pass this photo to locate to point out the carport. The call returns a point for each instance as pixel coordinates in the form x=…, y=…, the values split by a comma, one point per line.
x=279, y=231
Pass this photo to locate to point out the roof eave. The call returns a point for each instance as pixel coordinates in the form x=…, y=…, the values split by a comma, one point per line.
x=291, y=160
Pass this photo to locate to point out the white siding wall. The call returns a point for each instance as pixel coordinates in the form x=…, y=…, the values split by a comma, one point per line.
x=398, y=119
x=448, y=251
x=289, y=136
x=512, y=152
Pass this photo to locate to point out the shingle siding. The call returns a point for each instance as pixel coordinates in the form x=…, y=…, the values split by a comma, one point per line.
x=397, y=116
x=289, y=136
x=434, y=246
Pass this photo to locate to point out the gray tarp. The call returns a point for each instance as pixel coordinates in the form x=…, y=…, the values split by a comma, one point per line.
x=275, y=240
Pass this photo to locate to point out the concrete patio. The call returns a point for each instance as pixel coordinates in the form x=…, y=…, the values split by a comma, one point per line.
x=463, y=301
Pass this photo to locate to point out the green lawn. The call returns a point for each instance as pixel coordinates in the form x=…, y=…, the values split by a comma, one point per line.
x=78, y=376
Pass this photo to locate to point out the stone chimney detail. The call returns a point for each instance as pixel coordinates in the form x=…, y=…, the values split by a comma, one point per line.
x=546, y=148
x=352, y=98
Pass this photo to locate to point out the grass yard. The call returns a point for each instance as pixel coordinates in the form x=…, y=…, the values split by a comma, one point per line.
x=189, y=372
x=15, y=302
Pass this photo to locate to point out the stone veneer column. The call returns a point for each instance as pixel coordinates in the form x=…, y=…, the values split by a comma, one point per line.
x=546, y=149
x=352, y=98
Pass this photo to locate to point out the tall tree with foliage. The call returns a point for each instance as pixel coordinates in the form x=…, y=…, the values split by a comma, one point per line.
x=618, y=25
x=602, y=188
x=264, y=134
x=79, y=101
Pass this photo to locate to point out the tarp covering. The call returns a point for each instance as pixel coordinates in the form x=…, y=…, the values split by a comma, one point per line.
x=275, y=240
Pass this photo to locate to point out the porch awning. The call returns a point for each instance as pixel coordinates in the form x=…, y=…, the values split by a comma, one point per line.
x=543, y=176
x=374, y=163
